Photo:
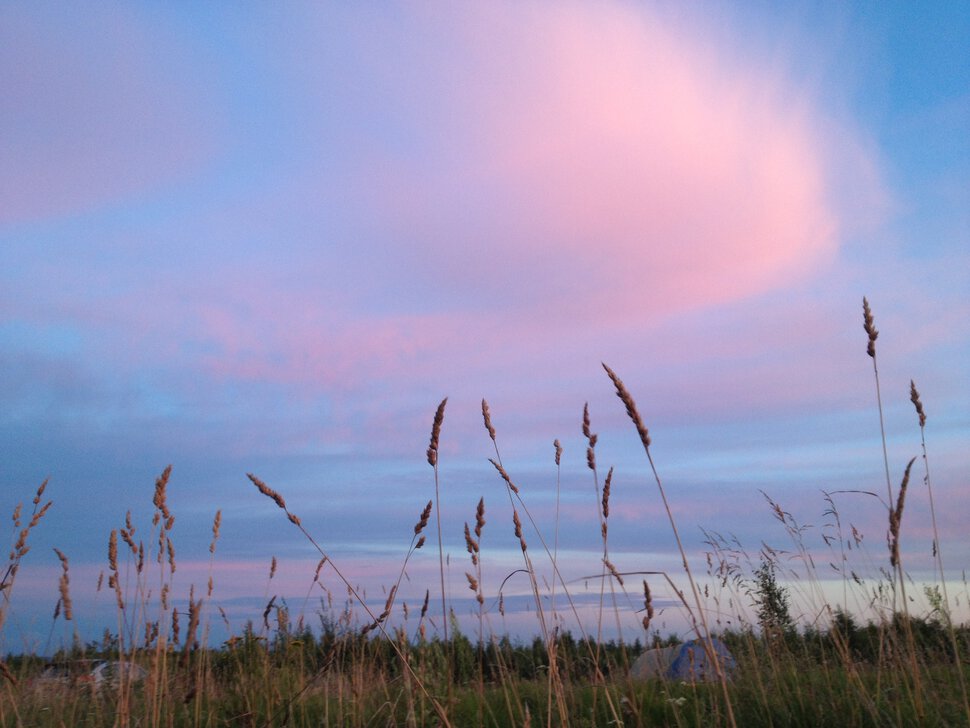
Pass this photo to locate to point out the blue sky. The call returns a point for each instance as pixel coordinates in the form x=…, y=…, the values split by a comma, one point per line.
x=271, y=239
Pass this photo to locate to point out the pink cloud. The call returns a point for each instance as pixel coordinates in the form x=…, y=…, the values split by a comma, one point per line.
x=574, y=173
x=602, y=164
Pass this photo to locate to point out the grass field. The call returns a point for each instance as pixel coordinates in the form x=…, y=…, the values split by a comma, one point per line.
x=354, y=667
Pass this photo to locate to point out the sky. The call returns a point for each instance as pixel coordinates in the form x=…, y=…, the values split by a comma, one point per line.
x=271, y=238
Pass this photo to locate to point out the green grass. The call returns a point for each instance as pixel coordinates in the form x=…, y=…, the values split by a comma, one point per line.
x=287, y=685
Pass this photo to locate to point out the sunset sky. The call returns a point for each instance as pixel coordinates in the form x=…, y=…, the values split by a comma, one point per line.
x=270, y=238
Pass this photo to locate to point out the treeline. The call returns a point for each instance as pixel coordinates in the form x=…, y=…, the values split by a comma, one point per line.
x=335, y=649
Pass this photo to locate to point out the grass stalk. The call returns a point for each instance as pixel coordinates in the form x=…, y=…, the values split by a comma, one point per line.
x=634, y=414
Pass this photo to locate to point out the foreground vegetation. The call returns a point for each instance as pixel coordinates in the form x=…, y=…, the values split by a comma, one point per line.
x=337, y=679
x=356, y=668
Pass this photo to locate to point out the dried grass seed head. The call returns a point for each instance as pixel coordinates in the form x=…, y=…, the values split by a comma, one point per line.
x=470, y=544
x=606, y=493
x=480, y=517
x=63, y=585
x=159, y=498
x=647, y=605
x=505, y=475
x=914, y=398
x=424, y=518
x=170, y=548
x=896, y=516
x=631, y=407
x=40, y=491
x=320, y=565
x=267, y=491
x=487, y=416
x=439, y=417
x=113, y=550
x=35, y=519
x=216, y=525
x=126, y=537
x=867, y=324
x=613, y=571
x=61, y=557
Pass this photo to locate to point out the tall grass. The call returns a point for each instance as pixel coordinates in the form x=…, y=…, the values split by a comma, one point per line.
x=803, y=661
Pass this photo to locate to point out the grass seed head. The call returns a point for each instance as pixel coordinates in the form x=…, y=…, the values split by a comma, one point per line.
x=170, y=549
x=113, y=551
x=896, y=516
x=216, y=525
x=160, y=497
x=606, y=494
x=175, y=626
x=631, y=407
x=423, y=520
x=267, y=610
x=487, y=416
x=320, y=564
x=914, y=398
x=35, y=519
x=867, y=324
x=613, y=571
x=480, y=517
x=471, y=545
x=647, y=605
x=505, y=475
x=63, y=586
x=195, y=608
x=439, y=417
x=126, y=537
x=40, y=491
x=267, y=491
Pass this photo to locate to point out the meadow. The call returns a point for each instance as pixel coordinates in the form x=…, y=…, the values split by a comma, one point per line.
x=897, y=662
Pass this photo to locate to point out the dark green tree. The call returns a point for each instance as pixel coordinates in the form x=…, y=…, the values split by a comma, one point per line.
x=773, y=602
